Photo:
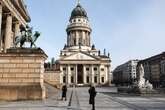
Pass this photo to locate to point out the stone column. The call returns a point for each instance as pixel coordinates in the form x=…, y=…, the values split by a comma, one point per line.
x=109, y=78
x=8, y=32
x=99, y=72
x=86, y=36
x=89, y=40
x=84, y=70
x=0, y=26
x=70, y=39
x=66, y=76
x=61, y=75
x=92, y=75
x=76, y=76
x=107, y=74
x=69, y=73
x=77, y=38
x=83, y=38
x=73, y=37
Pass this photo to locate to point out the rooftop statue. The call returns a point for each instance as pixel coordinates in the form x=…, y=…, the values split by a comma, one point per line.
x=26, y=36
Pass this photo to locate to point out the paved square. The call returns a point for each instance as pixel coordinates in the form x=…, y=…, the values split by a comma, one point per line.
x=106, y=99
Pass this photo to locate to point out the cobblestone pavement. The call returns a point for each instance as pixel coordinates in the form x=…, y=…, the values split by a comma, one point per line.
x=78, y=99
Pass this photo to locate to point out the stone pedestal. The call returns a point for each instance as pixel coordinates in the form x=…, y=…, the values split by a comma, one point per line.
x=22, y=74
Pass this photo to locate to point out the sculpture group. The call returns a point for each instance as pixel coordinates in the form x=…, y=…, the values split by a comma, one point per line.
x=26, y=36
x=141, y=86
x=143, y=83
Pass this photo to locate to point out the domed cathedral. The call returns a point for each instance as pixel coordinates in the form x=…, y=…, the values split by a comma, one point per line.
x=80, y=62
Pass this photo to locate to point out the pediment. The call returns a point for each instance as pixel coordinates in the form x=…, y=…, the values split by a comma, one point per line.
x=80, y=56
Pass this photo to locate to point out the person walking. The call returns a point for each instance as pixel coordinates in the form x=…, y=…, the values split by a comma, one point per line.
x=64, y=92
x=92, y=95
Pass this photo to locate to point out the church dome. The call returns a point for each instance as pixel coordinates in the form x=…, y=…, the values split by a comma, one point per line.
x=78, y=12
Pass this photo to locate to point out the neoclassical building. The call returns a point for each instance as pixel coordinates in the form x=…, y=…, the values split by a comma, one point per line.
x=80, y=62
x=13, y=13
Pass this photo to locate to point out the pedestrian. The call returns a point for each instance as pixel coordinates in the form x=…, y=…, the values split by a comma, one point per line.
x=64, y=92
x=92, y=95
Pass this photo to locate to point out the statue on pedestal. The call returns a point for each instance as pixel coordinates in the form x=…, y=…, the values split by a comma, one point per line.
x=149, y=85
x=26, y=36
x=142, y=83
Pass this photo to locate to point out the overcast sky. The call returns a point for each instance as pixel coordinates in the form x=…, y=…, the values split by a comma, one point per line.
x=128, y=29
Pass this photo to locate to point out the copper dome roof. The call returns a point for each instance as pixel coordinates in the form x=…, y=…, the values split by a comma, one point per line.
x=78, y=12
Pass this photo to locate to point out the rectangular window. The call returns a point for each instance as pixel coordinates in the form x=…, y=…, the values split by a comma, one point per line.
x=72, y=79
x=71, y=69
x=102, y=79
x=87, y=69
x=102, y=69
x=95, y=79
x=95, y=69
x=64, y=69
x=64, y=79
x=87, y=79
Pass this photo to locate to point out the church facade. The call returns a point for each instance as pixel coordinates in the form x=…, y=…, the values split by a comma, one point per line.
x=80, y=62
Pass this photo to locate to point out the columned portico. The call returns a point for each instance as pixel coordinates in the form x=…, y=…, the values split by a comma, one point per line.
x=81, y=73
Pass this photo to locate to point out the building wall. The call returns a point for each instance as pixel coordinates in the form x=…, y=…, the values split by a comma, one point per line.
x=162, y=74
x=154, y=69
x=53, y=78
x=125, y=74
x=155, y=72
x=163, y=67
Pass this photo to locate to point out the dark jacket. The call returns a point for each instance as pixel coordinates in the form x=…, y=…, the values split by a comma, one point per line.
x=64, y=90
x=92, y=95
